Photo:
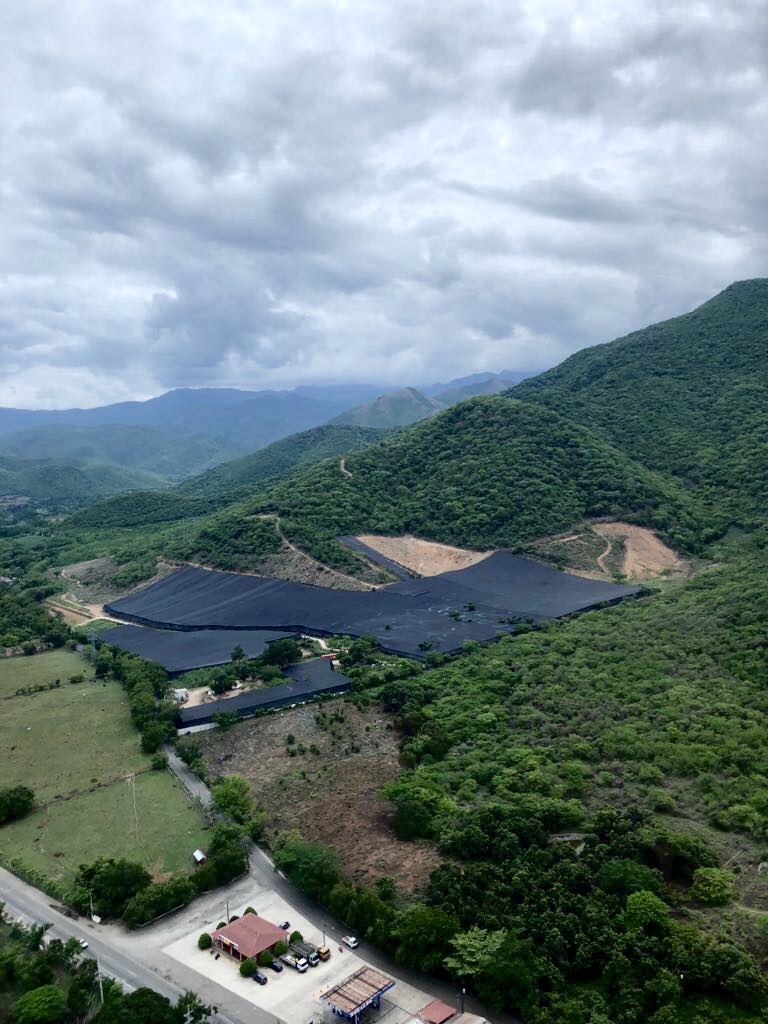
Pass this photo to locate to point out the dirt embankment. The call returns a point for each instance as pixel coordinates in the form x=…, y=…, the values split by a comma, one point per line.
x=425, y=557
x=328, y=788
x=645, y=555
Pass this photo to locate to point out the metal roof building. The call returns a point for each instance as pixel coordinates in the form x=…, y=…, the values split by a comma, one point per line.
x=310, y=679
x=362, y=989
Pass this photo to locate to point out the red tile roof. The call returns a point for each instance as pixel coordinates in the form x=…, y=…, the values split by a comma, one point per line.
x=250, y=935
x=437, y=1012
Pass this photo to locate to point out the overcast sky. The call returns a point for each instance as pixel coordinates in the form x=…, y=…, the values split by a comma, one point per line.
x=265, y=194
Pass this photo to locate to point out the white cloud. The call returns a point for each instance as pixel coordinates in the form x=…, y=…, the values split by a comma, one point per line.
x=259, y=194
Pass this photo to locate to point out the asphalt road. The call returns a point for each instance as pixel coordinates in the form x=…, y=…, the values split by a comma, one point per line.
x=118, y=953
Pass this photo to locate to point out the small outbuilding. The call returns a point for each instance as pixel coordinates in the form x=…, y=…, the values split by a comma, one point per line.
x=437, y=1012
x=245, y=938
x=360, y=990
x=198, y=857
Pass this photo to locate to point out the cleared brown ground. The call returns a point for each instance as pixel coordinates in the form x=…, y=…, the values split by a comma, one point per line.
x=597, y=550
x=645, y=556
x=425, y=557
x=328, y=795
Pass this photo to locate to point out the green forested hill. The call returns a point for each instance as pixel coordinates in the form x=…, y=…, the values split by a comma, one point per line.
x=61, y=485
x=395, y=409
x=688, y=397
x=148, y=450
x=488, y=472
x=235, y=479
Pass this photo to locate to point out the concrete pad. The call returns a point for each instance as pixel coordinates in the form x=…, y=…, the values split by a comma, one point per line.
x=290, y=997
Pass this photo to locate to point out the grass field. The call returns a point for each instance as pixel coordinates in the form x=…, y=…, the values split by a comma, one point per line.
x=68, y=739
x=40, y=669
x=161, y=834
x=77, y=742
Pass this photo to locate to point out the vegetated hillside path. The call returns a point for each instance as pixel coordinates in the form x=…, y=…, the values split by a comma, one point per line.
x=339, y=575
x=601, y=558
x=645, y=554
x=343, y=468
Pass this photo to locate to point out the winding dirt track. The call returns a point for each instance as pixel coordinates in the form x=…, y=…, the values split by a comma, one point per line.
x=343, y=468
x=645, y=555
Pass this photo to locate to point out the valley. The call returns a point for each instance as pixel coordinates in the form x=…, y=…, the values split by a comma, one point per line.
x=546, y=732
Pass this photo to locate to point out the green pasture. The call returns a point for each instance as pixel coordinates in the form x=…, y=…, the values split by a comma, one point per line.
x=145, y=818
x=68, y=739
x=40, y=669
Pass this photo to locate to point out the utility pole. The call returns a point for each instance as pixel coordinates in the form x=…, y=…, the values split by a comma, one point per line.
x=101, y=983
x=227, y=909
x=92, y=642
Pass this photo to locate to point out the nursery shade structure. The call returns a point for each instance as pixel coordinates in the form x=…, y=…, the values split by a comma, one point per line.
x=179, y=651
x=410, y=617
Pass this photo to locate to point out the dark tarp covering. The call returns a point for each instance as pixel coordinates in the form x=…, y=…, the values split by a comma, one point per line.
x=410, y=617
x=179, y=652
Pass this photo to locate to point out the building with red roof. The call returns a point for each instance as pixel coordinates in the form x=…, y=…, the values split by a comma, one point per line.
x=245, y=938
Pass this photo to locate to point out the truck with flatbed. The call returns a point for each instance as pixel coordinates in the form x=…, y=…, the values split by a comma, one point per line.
x=307, y=951
x=298, y=963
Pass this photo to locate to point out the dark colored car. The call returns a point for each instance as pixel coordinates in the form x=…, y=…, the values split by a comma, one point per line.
x=259, y=978
x=285, y=925
x=276, y=966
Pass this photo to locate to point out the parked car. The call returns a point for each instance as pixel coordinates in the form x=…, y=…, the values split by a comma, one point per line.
x=350, y=940
x=285, y=925
x=259, y=978
x=276, y=966
x=83, y=944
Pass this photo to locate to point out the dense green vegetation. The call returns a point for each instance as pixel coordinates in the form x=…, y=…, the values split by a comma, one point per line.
x=167, y=457
x=280, y=459
x=66, y=485
x=141, y=508
x=642, y=727
x=687, y=397
x=488, y=472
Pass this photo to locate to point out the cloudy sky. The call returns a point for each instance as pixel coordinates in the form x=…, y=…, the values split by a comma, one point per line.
x=263, y=194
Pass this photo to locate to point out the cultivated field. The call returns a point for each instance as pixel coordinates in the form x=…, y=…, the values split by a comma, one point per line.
x=144, y=818
x=328, y=788
x=39, y=670
x=76, y=747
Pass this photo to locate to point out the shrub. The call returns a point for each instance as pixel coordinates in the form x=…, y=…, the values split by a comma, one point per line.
x=15, y=802
x=281, y=948
x=711, y=886
x=159, y=762
x=296, y=937
x=205, y=941
x=264, y=958
x=248, y=968
x=249, y=910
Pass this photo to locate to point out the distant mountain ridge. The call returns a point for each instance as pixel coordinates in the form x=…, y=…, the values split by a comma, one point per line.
x=146, y=450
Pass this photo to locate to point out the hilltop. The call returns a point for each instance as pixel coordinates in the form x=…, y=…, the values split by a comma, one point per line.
x=686, y=397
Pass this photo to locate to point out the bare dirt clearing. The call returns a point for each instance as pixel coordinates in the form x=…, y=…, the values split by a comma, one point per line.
x=600, y=550
x=645, y=555
x=425, y=557
x=327, y=789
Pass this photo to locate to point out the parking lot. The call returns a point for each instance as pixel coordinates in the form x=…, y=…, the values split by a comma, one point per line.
x=290, y=997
